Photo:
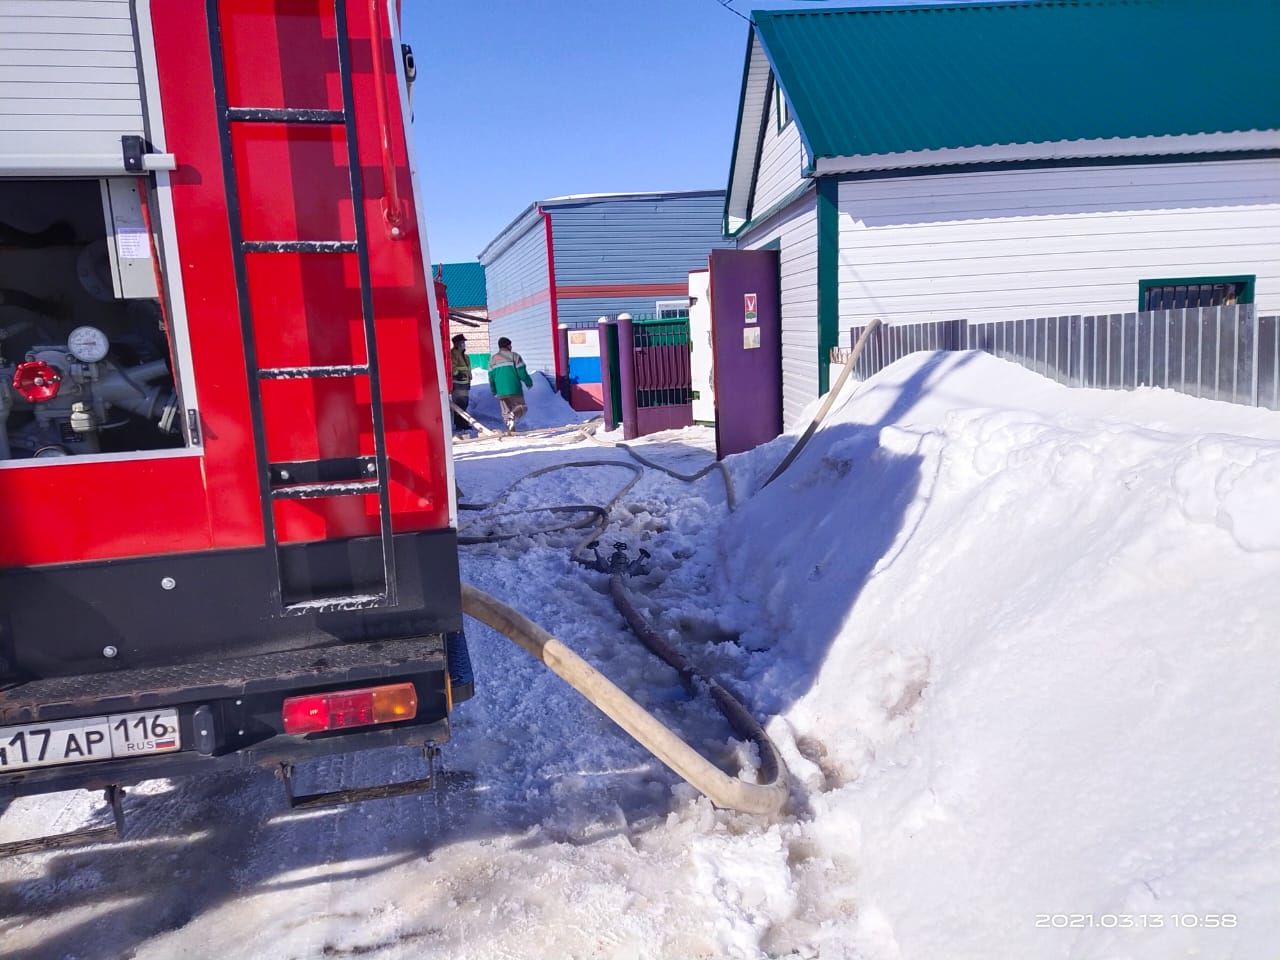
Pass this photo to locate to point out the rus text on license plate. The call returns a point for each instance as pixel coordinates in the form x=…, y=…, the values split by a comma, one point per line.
x=88, y=738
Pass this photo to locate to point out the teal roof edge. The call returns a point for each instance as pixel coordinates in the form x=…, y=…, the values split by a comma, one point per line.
x=938, y=76
x=465, y=284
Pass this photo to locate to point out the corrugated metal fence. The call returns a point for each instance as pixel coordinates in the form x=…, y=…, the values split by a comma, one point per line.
x=1222, y=353
x=663, y=376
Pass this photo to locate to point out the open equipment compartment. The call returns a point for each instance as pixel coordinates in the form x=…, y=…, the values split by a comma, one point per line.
x=85, y=355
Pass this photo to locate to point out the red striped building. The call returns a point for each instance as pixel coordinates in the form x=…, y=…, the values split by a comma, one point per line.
x=568, y=261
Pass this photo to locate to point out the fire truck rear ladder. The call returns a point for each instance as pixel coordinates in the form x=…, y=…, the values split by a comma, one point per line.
x=355, y=476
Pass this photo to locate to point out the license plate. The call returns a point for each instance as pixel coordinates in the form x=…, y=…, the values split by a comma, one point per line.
x=89, y=738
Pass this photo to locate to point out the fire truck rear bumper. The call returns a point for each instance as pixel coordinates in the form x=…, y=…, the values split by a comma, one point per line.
x=229, y=712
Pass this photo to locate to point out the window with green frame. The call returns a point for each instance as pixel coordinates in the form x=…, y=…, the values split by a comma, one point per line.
x=1179, y=292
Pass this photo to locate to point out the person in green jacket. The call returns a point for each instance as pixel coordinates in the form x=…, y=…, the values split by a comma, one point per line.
x=506, y=374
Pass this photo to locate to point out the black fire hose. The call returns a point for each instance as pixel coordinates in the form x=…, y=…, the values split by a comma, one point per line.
x=743, y=723
x=726, y=792
x=768, y=796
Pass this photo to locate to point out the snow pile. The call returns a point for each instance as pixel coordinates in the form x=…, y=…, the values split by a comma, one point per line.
x=1023, y=641
x=546, y=407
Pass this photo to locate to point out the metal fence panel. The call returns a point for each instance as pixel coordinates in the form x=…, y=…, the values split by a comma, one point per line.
x=1189, y=351
x=1208, y=375
x=1142, y=354
x=1062, y=366
x=1268, y=353
x=663, y=376
x=1039, y=345
x=1114, y=352
x=1049, y=353
x=1159, y=348
x=1129, y=352
x=1088, y=334
x=1244, y=328
x=1074, y=326
x=1224, y=385
x=1225, y=353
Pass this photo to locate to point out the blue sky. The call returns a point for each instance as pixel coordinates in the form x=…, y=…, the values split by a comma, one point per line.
x=518, y=100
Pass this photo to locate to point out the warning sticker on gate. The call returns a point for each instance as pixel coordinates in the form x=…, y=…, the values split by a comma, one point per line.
x=749, y=307
x=750, y=338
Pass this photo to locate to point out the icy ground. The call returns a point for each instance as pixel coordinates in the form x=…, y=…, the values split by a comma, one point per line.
x=1017, y=643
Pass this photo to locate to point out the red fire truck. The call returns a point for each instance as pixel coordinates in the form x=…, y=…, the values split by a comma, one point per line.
x=229, y=523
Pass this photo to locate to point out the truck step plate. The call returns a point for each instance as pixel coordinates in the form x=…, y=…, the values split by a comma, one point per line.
x=89, y=738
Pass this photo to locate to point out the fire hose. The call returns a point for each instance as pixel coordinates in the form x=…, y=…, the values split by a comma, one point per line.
x=724, y=791
x=818, y=417
x=769, y=795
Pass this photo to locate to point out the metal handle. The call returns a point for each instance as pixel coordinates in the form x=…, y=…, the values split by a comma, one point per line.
x=392, y=206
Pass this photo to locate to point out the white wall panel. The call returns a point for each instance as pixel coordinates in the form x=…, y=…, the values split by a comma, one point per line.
x=781, y=158
x=796, y=230
x=1007, y=245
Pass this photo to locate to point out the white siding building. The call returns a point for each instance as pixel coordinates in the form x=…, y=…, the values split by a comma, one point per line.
x=982, y=182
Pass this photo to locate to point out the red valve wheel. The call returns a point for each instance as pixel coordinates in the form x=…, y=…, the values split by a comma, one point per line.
x=37, y=381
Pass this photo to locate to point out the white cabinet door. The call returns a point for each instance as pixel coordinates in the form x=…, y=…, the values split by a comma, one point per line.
x=69, y=87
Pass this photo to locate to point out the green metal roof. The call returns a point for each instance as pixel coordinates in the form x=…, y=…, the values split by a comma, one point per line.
x=880, y=80
x=465, y=285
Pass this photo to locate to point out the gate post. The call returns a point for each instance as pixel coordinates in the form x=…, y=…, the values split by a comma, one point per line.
x=564, y=383
x=610, y=388
x=627, y=376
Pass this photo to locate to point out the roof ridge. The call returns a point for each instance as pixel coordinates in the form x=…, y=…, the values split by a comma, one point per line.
x=629, y=194
x=983, y=73
x=945, y=5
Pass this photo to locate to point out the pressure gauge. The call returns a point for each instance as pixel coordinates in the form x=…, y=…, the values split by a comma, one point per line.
x=88, y=344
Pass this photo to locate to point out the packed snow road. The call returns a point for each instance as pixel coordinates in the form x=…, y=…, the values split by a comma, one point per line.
x=1016, y=643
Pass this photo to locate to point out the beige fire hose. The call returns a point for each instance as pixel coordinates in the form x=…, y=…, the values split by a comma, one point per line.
x=721, y=789
x=818, y=417
x=724, y=791
x=484, y=431
x=731, y=496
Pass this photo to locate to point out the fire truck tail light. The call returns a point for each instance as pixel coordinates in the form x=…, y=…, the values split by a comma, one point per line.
x=37, y=381
x=316, y=712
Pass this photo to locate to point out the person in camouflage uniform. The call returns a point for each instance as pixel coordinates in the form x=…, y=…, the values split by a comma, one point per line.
x=460, y=367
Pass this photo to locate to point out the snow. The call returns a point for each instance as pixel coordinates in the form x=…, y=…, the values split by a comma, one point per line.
x=1016, y=643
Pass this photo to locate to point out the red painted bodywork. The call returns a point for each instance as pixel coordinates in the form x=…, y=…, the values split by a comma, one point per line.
x=442, y=311
x=293, y=185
